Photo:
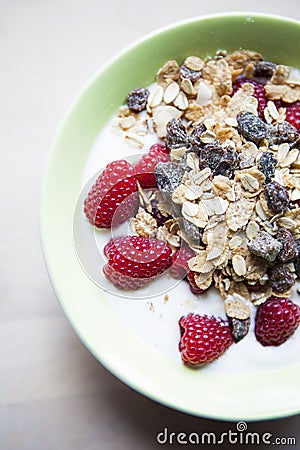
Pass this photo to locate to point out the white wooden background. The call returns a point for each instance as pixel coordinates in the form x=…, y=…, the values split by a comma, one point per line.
x=53, y=394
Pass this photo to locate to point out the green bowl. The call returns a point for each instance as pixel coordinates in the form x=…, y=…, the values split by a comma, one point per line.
x=262, y=394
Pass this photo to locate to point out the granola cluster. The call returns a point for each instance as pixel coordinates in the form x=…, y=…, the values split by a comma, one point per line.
x=232, y=188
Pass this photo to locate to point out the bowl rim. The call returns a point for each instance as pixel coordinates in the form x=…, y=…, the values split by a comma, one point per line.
x=93, y=77
x=124, y=377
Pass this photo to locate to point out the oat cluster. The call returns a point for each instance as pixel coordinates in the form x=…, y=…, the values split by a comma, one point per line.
x=232, y=188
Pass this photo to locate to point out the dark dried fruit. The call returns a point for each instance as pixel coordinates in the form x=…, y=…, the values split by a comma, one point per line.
x=257, y=286
x=286, y=238
x=264, y=69
x=297, y=258
x=228, y=164
x=251, y=127
x=221, y=161
x=210, y=155
x=239, y=328
x=265, y=246
x=281, y=133
x=195, y=137
x=158, y=216
x=281, y=278
x=193, y=75
x=137, y=99
x=277, y=197
x=177, y=135
x=168, y=176
x=191, y=233
x=180, y=266
x=267, y=164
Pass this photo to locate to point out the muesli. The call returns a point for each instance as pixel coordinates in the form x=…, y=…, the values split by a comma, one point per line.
x=217, y=200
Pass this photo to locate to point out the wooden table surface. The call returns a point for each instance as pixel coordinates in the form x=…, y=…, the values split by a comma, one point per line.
x=53, y=394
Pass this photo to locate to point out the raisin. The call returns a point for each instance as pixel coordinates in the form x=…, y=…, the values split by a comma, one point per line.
x=168, y=176
x=177, y=135
x=210, y=155
x=265, y=246
x=251, y=127
x=193, y=75
x=281, y=278
x=137, y=99
x=277, y=197
x=158, y=216
x=286, y=238
x=281, y=133
x=228, y=164
x=297, y=257
x=267, y=164
x=253, y=287
x=191, y=233
x=221, y=161
x=239, y=327
x=264, y=69
x=195, y=137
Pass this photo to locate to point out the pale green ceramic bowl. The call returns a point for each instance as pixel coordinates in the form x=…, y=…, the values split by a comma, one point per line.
x=261, y=395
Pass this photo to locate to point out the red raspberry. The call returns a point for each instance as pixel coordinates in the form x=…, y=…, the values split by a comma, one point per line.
x=203, y=338
x=144, y=168
x=158, y=148
x=134, y=261
x=259, y=92
x=293, y=114
x=180, y=262
x=112, y=187
x=276, y=320
x=122, y=281
x=193, y=286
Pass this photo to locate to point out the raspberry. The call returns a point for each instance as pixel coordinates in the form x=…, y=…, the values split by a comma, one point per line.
x=122, y=281
x=158, y=148
x=203, y=338
x=276, y=320
x=193, y=286
x=180, y=262
x=267, y=164
x=144, y=168
x=259, y=92
x=293, y=114
x=292, y=109
x=112, y=187
x=134, y=261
